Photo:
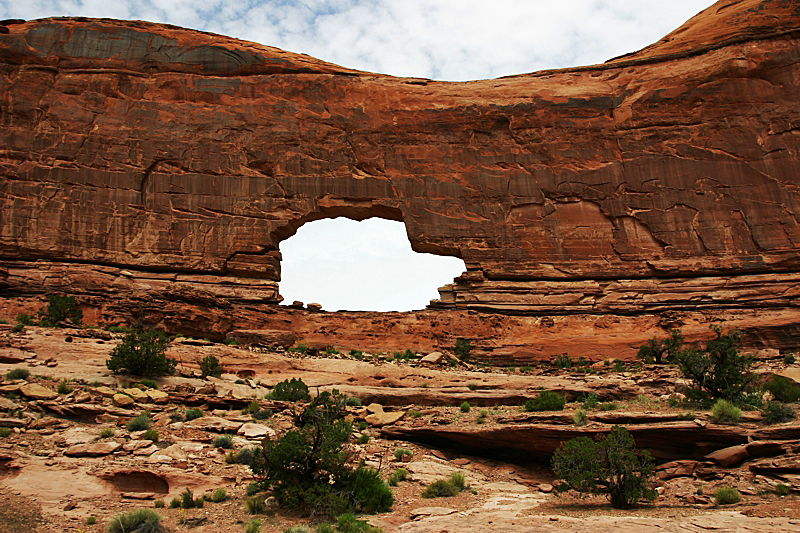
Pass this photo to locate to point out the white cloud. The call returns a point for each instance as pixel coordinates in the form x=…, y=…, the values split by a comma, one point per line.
x=440, y=39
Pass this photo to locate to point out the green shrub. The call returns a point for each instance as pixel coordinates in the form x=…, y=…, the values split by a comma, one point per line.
x=358, y=354
x=777, y=412
x=174, y=503
x=607, y=406
x=726, y=496
x=219, y=495
x=619, y=366
x=580, y=418
x=781, y=489
x=149, y=383
x=718, y=371
x=199, y=502
x=139, y=521
x=789, y=359
x=151, y=435
x=24, y=319
x=363, y=439
x=399, y=453
x=209, y=366
x=458, y=480
x=256, y=504
x=5, y=432
x=158, y=504
x=187, y=499
x=251, y=408
x=243, y=457
x=253, y=526
x=331, y=350
x=262, y=414
x=139, y=423
x=348, y=523
x=783, y=389
x=18, y=373
x=400, y=474
x=441, y=488
x=298, y=467
x=63, y=388
x=546, y=401
x=465, y=407
x=325, y=527
x=252, y=488
x=60, y=308
x=300, y=348
x=724, y=412
x=590, y=402
x=106, y=433
x=562, y=361
x=362, y=425
x=223, y=441
x=611, y=466
x=142, y=353
x=659, y=350
x=18, y=328
x=297, y=529
x=91, y=520
x=290, y=390
x=462, y=349
x=352, y=401
x=191, y=414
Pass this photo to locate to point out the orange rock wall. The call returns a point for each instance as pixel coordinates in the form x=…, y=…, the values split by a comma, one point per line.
x=172, y=154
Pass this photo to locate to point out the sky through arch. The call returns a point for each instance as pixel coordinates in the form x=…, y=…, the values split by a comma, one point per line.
x=343, y=264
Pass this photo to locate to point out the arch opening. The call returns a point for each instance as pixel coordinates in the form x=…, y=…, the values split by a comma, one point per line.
x=368, y=265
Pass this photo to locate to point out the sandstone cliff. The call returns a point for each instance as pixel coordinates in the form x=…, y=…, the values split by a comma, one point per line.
x=663, y=180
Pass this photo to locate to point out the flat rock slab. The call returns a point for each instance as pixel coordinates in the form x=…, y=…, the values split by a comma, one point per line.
x=123, y=400
x=35, y=391
x=424, y=512
x=214, y=423
x=381, y=418
x=255, y=431
x=96, y=449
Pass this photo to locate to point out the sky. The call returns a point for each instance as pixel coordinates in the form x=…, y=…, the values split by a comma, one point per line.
x=454, y=40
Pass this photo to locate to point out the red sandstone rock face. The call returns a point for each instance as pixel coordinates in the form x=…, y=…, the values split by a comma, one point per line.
x=164, y=153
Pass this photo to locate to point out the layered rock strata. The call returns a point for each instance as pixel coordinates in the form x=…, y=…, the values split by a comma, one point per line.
x=137, y=157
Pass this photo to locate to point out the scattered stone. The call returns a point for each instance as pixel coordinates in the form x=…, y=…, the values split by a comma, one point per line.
x=95, y=449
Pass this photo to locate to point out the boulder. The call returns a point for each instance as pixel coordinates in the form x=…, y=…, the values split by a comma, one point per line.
x=255, y=431
x=34, y=391
x=729, y=456
x=123, y=400
x=94, y=449
x=157, y=396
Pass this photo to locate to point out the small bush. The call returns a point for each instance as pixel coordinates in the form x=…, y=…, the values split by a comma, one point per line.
x=252, y=488
x=255, y=504
x=441, y=488
x=789, y=359
x=149, y=383
x=325, y=527
x=348, y=523
x=777, y=412
x=300, y=348
x=5, y=432
x=142, y=353
x=458, y=480
x=783, y=389
x=24, y=319
x=60, y=308
x=106, y=433
x=191, y=414
x=199, y=502
x=158, y=504
x=562, y=361
x=63, y=388
x=223, y=441
x=174, y=503
x=18, y=373
x=462, y=349
x=465, y=407
x=363, y=439
x=290, y=390
x=219, y=495
x=352, y=401
x=546, y=401
x=331, y=350
x=251, y=408
x=262, y=414
x=399, y=453
x=90, y=521
x=187, y=499
x=151, y=435
x=400, y=474
x=253, y=526
x=297, y=529
x=781, y=489
x=362, y=425
x=724, y=412
x=590, y=402
x=242, y=457
x=18, y=328
x=619, y=366
x=727, y=495
x=607, y=406
x=209, y=366
x=580, y=418
x=140, y=521
x=139, y=423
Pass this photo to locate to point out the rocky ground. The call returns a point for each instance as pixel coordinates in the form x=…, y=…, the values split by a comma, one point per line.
x=69, y=455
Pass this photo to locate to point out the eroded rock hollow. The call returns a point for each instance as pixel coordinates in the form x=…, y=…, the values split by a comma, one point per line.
x=151, y=168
